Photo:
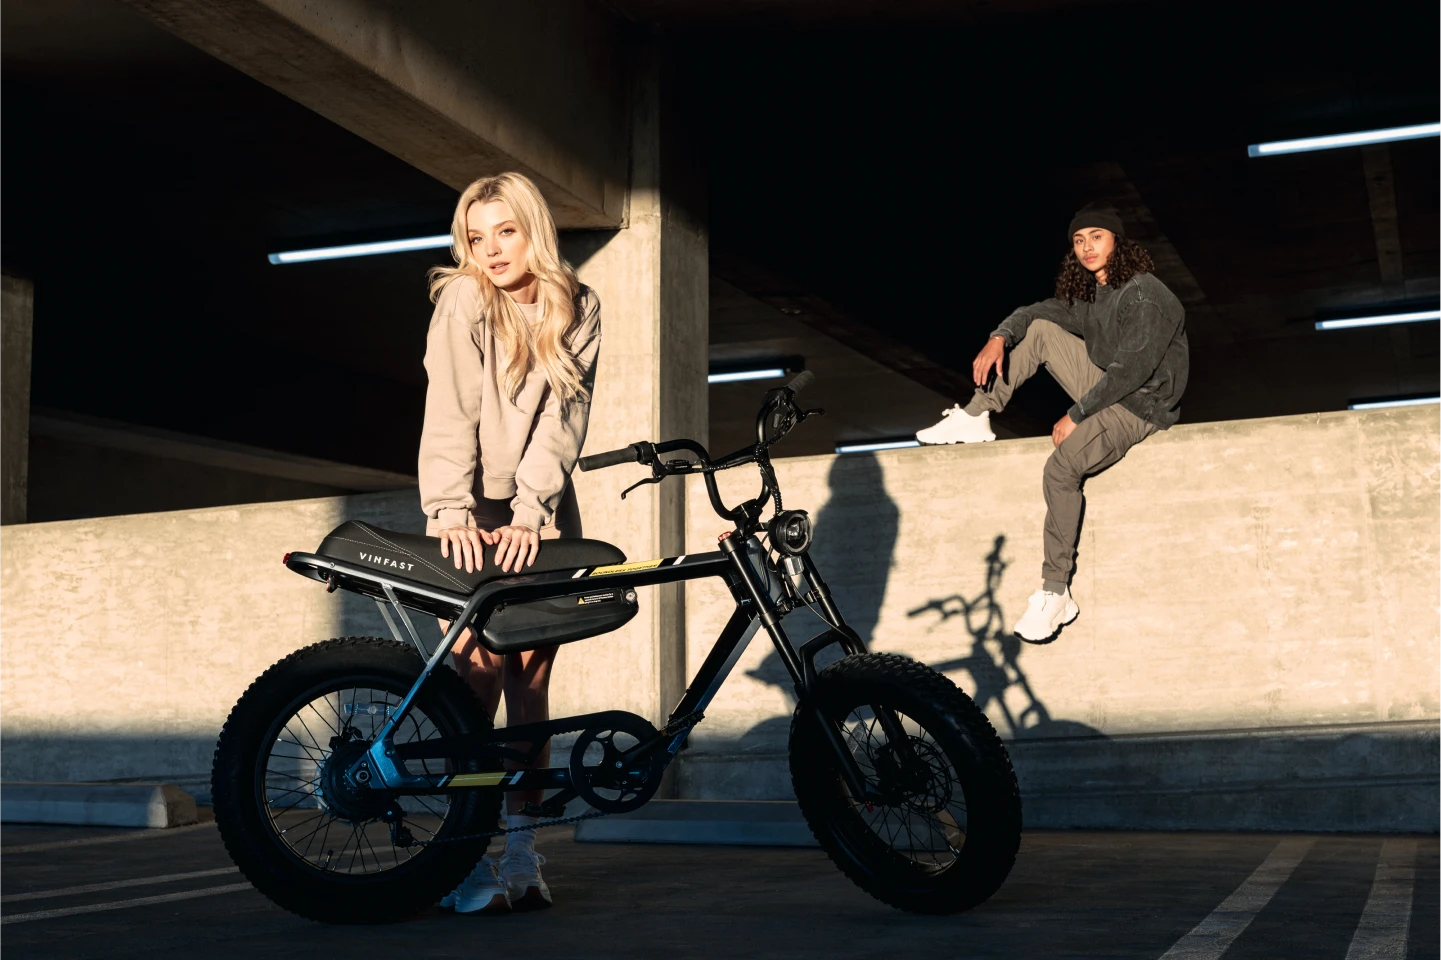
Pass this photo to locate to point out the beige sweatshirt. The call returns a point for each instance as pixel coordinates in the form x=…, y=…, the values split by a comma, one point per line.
x=524, y=450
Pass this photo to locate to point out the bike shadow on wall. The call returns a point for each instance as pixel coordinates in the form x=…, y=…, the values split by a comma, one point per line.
x=998, y=684
x=855, y=538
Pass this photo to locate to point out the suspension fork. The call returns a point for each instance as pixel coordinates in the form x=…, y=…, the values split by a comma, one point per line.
x=737, y=549
x=852, y=643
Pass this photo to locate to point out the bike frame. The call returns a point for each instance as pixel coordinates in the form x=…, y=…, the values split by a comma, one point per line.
x=763, y=597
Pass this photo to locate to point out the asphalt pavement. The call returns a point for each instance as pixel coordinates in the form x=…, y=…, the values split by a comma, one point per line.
x=68, y=893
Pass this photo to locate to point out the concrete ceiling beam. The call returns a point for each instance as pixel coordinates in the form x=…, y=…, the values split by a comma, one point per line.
x=456, y=88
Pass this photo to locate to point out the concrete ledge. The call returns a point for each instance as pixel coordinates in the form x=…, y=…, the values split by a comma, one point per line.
x=761, y=823
x=97, y=804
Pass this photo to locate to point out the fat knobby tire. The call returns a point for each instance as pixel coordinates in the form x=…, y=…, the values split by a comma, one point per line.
x=239, y=804
x=961, y=730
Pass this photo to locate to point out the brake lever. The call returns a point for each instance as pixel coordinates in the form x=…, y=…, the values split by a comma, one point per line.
x=640, y=483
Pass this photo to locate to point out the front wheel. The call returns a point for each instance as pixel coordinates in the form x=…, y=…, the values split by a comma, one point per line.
x=945, y=835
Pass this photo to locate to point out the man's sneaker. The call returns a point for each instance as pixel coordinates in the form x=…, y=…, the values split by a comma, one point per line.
x=520, y=872
x=958, y=426
x=481, y=892
x=1046, y=613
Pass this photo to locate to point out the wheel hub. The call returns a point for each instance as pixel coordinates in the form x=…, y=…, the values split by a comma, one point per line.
x=918, y=780
x=343, y=798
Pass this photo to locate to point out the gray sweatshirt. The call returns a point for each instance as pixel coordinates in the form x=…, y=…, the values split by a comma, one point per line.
x=1135, y=333
x=475, y=441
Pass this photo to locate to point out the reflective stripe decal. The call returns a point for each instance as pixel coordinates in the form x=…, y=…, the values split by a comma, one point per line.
x=476, y=779
x=580, y=573
x=627, y=567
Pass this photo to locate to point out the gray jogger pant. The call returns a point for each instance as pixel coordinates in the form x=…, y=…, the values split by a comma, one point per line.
x=1097, y=442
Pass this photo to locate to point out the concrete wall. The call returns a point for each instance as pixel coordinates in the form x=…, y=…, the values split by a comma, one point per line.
x=1258, y=643
x=1258, y=639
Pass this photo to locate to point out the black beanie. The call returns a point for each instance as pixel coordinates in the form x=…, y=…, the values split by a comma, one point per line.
x=1097, y=214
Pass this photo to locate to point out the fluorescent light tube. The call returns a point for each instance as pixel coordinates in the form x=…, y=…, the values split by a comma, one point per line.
x=1344, y=140
x=737, y=376
x=1378, y=404
x=1377, y=321
x=878, y=445
x=362, y=249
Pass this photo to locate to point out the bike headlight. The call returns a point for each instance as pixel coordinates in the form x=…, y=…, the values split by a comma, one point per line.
x=790, y=532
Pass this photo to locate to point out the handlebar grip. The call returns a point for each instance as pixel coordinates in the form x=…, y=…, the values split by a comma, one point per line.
x=803, y=380
x=611, y=458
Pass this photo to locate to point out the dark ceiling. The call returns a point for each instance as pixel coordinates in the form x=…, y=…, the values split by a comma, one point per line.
x=911, y=164
x=922, y=178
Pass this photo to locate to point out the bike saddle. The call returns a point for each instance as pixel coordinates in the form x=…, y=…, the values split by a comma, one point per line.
x=414, y=556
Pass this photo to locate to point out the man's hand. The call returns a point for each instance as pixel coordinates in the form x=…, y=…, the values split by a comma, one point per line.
x=993, y=354
x=1062, y=430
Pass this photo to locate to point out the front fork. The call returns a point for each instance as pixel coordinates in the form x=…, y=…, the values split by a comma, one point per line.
x=746, y=556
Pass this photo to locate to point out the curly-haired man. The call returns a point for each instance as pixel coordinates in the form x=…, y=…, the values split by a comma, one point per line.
x=1114, y=338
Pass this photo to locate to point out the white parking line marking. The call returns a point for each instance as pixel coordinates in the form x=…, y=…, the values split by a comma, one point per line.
x=121, y=904
x=1386, y=921
x=141, y=834
x=117, y=884
x=1214, y=934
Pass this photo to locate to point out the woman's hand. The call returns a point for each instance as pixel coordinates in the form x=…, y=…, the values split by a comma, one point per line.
x=465, y=543
x=518, y=543
x=993, y=354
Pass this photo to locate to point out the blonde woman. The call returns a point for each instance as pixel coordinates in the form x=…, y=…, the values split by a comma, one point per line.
x=511, y=358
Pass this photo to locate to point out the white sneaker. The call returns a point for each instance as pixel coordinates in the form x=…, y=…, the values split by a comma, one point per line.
x=520, y=872
x=958, y=426
x=1046, y=613
x=481, y=892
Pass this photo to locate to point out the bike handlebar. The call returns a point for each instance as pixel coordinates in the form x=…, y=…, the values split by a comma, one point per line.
x=804, y=379
x=611, y=458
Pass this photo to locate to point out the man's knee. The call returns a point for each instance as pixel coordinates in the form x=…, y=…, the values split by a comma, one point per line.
x=1062, y=472
x=1041, y=331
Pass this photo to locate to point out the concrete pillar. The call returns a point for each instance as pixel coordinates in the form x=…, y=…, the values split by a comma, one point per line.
x=652, y=278
x=17, y=311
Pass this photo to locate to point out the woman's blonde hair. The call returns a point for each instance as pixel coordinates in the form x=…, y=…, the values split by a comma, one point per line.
x=547, y=343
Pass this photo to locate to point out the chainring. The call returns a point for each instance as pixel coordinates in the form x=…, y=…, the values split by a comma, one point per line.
x=602, y=779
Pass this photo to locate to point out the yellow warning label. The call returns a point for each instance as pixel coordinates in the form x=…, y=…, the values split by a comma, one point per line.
x=627, y=567
x=477, y=779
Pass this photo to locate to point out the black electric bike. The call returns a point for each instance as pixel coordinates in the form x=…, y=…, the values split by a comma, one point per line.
x=358, y=780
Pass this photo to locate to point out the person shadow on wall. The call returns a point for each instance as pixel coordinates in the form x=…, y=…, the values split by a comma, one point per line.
x=853, y=545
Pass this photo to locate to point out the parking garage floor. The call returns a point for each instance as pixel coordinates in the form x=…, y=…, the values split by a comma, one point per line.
x=70, y=892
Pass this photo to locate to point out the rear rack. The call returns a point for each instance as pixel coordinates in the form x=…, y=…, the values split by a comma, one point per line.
x=368, y=583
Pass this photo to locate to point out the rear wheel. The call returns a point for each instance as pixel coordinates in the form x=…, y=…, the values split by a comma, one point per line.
x=945, y=836
x=307, y=839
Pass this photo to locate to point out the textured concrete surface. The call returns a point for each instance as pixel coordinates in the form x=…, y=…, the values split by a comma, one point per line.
x=1257, y=644
x=431, y=84
x=1129, y=896
x=128, y=639
x=155, y=805
x=17, y=319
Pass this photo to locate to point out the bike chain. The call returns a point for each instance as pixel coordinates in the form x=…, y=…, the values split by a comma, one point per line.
x=588, y=815
x=675, y=726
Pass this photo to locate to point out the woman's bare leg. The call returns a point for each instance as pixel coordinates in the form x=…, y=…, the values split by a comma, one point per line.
x=526, y=681
x=524, y=678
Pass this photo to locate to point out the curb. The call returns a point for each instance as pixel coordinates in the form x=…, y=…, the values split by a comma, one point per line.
x=97, y=804
x=762, y=823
